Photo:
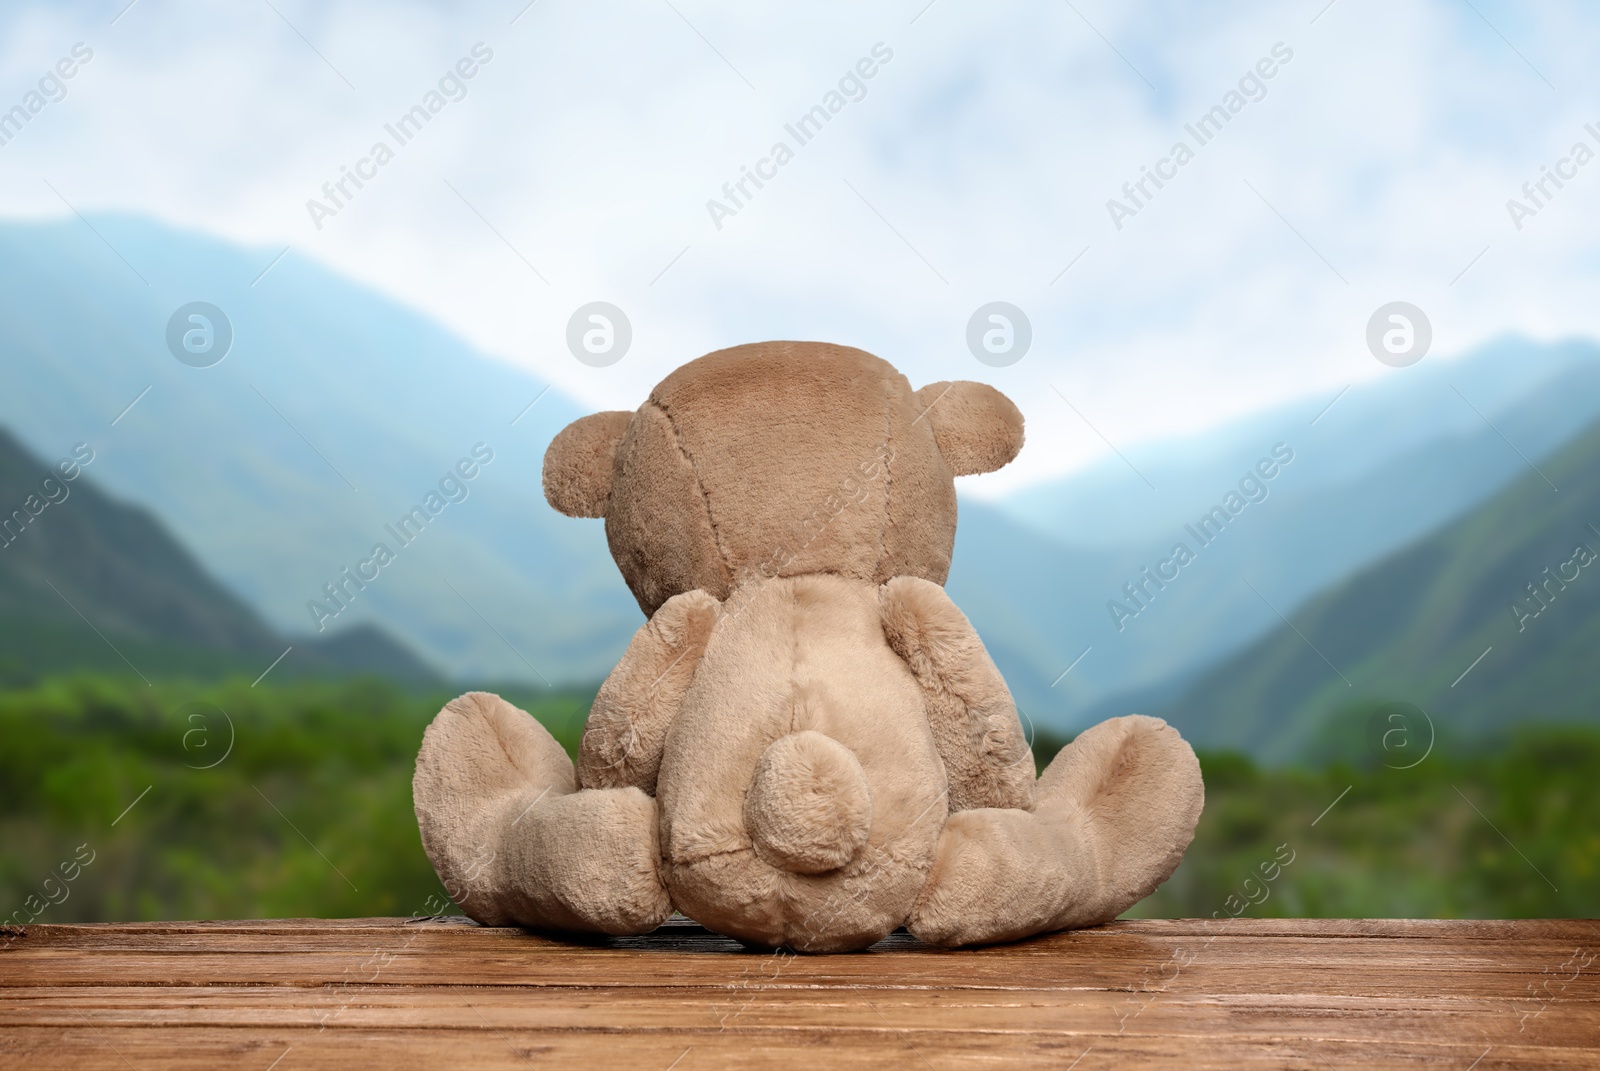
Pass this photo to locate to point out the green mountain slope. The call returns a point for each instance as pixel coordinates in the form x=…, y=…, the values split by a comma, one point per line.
x=335, y=411
x=87, y=582
x=1040, y=604
x=1492, y=621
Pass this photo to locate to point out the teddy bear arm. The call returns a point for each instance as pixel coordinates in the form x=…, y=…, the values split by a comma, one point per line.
x=975, y=727
x=627, y=726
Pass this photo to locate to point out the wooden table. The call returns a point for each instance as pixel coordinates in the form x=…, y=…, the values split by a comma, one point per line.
x=396, y=993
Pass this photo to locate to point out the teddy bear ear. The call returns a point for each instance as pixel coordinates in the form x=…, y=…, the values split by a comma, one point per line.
x=977, y=428
x=577, y=466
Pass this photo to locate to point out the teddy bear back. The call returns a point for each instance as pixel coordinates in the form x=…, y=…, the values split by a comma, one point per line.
x=780, y=459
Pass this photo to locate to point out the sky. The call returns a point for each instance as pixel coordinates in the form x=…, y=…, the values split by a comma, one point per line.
x=585, y=160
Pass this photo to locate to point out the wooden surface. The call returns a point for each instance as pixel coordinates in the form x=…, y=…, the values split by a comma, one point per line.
x=398, y=994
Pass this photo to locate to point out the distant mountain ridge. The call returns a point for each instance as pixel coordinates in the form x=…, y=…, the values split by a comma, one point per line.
x=1403, y=411
x=1324, y=518
x=90, y=583
x=337, y=410
x=334, y=413
x=1491, y=620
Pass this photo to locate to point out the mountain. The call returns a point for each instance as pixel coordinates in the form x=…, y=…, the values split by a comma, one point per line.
x=1491, y=620
x=338, y=410
x=335, y=412
x=89, y=582
x=1032, y=602
x=1358, y=488
x=328, y=382
x=1355, y=434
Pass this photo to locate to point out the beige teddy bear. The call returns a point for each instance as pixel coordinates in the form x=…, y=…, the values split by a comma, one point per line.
x=806, y=745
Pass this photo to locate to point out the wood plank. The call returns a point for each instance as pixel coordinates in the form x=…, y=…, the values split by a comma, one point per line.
x=474, y=1046
x=1349, y=1018
x=1183, y=993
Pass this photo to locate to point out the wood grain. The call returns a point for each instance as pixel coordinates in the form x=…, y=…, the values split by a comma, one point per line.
x=397, y=994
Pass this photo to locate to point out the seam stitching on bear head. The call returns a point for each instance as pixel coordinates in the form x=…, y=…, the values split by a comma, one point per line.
x=888, y=481
x=705, y=499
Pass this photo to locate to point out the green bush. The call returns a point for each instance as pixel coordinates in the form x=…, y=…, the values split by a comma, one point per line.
x=309, y=813
x=1504, y=828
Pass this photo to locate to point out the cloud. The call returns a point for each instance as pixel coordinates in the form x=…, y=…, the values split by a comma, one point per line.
x=977, y=167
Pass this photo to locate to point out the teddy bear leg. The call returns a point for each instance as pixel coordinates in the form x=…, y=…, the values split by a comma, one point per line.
x=516, y=844
x=1112, y=817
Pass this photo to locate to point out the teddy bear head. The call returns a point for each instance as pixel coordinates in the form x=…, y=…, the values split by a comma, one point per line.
x=780, y=459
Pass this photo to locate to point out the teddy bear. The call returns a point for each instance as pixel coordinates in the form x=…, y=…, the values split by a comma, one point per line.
x=806, y=745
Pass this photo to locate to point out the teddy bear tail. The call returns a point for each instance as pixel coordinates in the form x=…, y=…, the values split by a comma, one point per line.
x=809, y=808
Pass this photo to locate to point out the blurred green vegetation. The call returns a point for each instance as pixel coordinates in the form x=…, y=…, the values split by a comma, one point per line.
x=1504, y=827
x=335, y=759
x=1497, y=826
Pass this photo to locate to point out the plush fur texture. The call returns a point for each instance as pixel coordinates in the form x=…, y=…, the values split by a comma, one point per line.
x=806, y=744
x=809, y=808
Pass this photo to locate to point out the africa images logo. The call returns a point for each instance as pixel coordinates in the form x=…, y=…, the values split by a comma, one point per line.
x=451, y=89
x=52, y=89
x=851, y=89
x=453, y=486
x=1252, y=88
x=1253, y=487
x=199, y=334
